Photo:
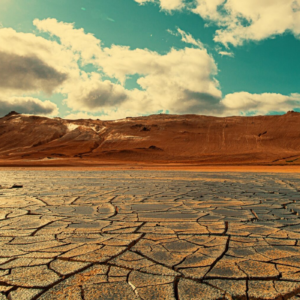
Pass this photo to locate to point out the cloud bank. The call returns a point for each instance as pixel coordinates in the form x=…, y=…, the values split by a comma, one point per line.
x=26, y=105
x=164, y=80
x=180, y=81
x=28, y=73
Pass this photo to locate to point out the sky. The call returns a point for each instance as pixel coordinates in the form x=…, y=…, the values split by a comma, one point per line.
x=124, y=58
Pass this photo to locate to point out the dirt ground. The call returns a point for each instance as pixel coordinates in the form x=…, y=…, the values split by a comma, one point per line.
x=90, y=165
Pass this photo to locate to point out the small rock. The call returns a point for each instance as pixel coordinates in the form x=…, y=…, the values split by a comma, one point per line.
x=17, y=186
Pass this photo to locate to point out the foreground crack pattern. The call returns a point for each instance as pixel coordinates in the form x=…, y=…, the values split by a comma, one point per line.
x=149, y=235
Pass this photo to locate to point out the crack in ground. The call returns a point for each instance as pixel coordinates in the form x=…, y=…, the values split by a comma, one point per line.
x=219, y=258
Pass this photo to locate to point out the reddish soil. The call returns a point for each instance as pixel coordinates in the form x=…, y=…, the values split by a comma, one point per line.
x=164, y=141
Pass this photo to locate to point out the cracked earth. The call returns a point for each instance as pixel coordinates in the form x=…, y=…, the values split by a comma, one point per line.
x=149, y=235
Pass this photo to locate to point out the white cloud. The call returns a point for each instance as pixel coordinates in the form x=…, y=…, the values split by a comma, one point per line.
x=252, y=20
x=26, y=105
x=166, y=80
x=28, y=73
x=243, y=102
x=93, y=94
x=171, y=4
x=142, y=2
x=74, y=39
x=180, y=78
x=226, y=53
x=167, y=5
x=186, y=38
x=31, y=64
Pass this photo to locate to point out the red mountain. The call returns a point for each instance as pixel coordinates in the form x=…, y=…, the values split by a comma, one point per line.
x=161, y=138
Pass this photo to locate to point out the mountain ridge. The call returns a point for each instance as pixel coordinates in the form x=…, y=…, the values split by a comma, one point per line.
x=191, y=139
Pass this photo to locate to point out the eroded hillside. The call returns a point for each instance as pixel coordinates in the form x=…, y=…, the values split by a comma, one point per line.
x=157, y=138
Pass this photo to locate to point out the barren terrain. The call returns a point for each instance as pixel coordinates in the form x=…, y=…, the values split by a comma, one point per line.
x=161, y=140
x=149, y=235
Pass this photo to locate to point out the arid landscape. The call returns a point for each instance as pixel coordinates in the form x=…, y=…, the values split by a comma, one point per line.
x=159, y=207
x=157, y=139
x=90, y=235
x=149, y=150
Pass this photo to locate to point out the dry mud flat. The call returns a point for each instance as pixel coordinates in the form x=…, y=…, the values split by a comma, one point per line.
x=149, y=235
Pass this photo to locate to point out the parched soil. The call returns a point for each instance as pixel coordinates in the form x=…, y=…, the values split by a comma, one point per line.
x=87, y=235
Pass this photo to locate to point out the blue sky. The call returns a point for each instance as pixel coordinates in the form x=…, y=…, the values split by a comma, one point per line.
x=205, y=56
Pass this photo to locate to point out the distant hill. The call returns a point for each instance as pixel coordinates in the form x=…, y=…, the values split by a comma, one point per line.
x=160, y=138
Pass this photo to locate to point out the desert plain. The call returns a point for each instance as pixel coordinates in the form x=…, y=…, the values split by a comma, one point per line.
x=138, y=234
